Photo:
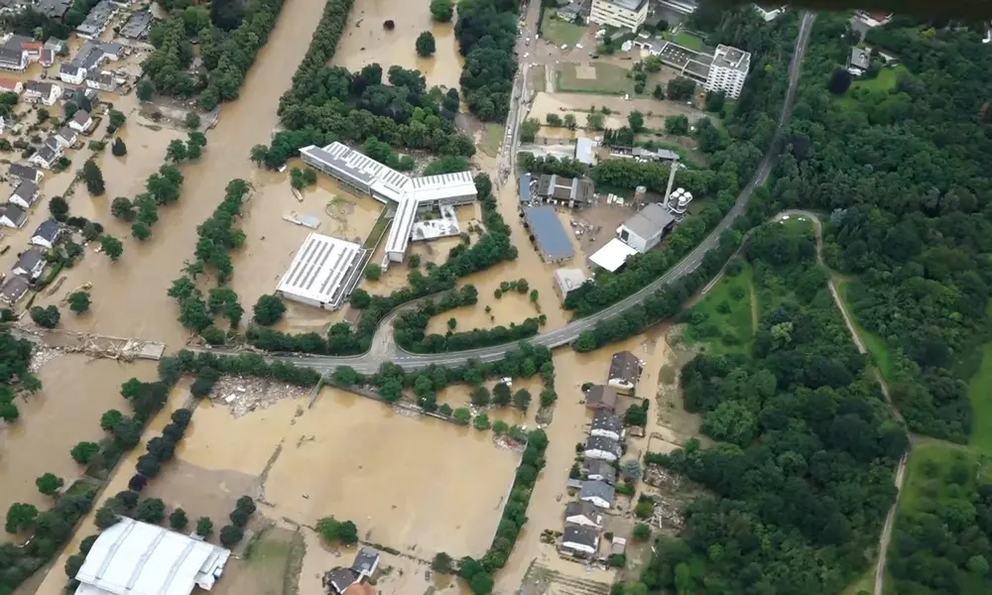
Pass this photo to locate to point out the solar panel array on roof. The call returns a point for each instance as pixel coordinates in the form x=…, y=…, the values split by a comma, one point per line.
x=550, y=235
x=322, y=271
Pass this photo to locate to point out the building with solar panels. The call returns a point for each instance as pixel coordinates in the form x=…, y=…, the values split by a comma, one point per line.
x=324, y=272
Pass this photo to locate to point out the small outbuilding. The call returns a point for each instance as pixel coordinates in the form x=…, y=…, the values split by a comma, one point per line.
x=612, y=256
x=568, y=280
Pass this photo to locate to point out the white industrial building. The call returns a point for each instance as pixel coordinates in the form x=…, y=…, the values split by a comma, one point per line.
x=626, y=14
x=645, y=229
x=410, y=194
x=324, y=272
x=568, y=280
x=725, y=69
x=136, y=558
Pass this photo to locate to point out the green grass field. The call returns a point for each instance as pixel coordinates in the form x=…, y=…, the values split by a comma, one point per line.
x=722, y=319
x=491, y=139
x=686, y=40
x=610, y=80
x=538, y=78
x=877, y=348
x=885, y=81
x=560, y=32
x=980, y=391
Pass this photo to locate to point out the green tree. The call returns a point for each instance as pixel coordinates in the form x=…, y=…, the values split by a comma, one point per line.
x=84, y=452
x=595, y=121
x=145, y=90
x=529, y=130
x=636, y=121
x=122, y=208
x=192, y=120
x=45, y=317
x=677, y=125
x=106, y=516
x=373, y=272
x=480, y=396
x=79, y=301
x=176, y=151
x=178, y=520
x=501, y=394
x=118, y=149
x=20, y=517
x=569, y=121
x=442, y=564
x=332, y=530
x=151, y=510
x=141, y=231
x=231, y=535
x=112, y=247
x=204, y=527
x=58, y=208
x=93, y=178
x=268, y=310
x=109, y=419
x=442, y=10
x=642, y=532
x=425, y=44
x=481, y=422
x=462, y=416
x=49, y=484
x=521, y=399
x=116, y=120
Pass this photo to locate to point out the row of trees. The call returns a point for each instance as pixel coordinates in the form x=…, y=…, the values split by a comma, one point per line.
x=487, y=34
x=161, y=188
x=805, y=425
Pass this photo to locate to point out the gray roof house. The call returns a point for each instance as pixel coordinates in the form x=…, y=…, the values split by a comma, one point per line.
x=25, y=194
x=580, y=541
x=597, y=470
x=54, y=9
x=12, y=215
x=625, y=371
x=19, y=172
x=66, y=136
x=599, y=493
x=14, y=289
x=601, y=397
x=859, y=61
x=366, y=562
x=603, y=448
x=583, y=513
x=138, y=25
x=606, y=425
x=30, y=264
x=46, y=234
x=12, y=59
x=339, y=579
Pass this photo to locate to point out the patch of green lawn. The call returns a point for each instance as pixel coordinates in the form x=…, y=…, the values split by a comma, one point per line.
x=492, y=137
x=560, y=32
x=610, y=80
x=686, y=40
x=877, y=348
x=722, y=319
x=538, y=78
x=884, y=82
x=980, y=392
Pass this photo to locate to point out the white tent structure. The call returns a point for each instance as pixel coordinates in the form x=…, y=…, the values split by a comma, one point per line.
x=136, y=558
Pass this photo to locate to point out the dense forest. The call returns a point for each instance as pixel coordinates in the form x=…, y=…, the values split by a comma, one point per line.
x=749, y=132
x=229, y=39
x=487, y=32
x=903, y=170
x=801, y=474
x=327, y=103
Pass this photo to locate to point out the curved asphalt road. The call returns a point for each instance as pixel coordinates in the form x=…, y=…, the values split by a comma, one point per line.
x=371, y=361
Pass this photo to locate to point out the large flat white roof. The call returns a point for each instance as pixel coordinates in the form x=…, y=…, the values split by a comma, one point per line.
x=612, y=256
x=136, y=558
x=382, y=182
x=322, y=270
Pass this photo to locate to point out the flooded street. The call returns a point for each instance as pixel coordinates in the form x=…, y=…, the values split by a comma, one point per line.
x=76, y=391
x=134, y=288
x=366, y=41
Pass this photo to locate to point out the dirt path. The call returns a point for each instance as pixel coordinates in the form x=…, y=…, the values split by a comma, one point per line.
x=754, y=307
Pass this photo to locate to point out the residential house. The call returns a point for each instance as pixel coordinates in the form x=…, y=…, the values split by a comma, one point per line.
x=625, y=371
x=859, y=61
x=72, y=74
x=56, y=45
x=597, y=470
x=607, y=425
x=47, y=58
x=366, y=562
x=645, y=229
x=25, y=194
x=48, y=155
x=12, y=215
x=339, y=579
x=602, y=448
x=45, y=92
x=363, y=568
x=66, y=136
x=580, y=541
x=13, y=59
x=81, y=121
x=30, y=264
x=14, y=289
x=137, y=25
x=54, y=9
x=103, y=81
x=583, y=513
x=47, y=234
x=600, y=494
x=601, y=397
x=97, y=20
x=8, y=85
x=32, y=49
x=19, y=172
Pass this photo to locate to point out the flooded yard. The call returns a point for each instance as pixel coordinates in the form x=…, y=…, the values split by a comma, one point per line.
x=76, y=391
x=366, y=41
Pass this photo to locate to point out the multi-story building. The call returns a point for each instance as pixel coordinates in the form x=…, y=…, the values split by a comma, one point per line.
x=728, y=70
x=627, y=14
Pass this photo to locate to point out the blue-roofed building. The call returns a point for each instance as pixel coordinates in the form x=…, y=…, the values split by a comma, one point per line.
x=524, y=189
x=548, y=233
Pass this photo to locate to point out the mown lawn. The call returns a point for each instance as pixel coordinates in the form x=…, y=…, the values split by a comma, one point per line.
x=492, y=137
x=610, y=80
x=560, y=32
x=686, y=40
x=980, y=392
x=877, y=348
x=885, y=81
x=722, y=319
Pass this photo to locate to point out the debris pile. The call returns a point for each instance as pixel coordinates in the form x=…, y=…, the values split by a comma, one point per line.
x=41, y=355
x=244, y=395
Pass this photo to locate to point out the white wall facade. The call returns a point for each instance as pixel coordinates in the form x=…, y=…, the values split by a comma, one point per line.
x=607, y=13
x=601, y=455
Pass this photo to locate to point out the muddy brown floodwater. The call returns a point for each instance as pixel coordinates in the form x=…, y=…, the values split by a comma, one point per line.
x=134, y=288
x=365, y=41
x=76, y=391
